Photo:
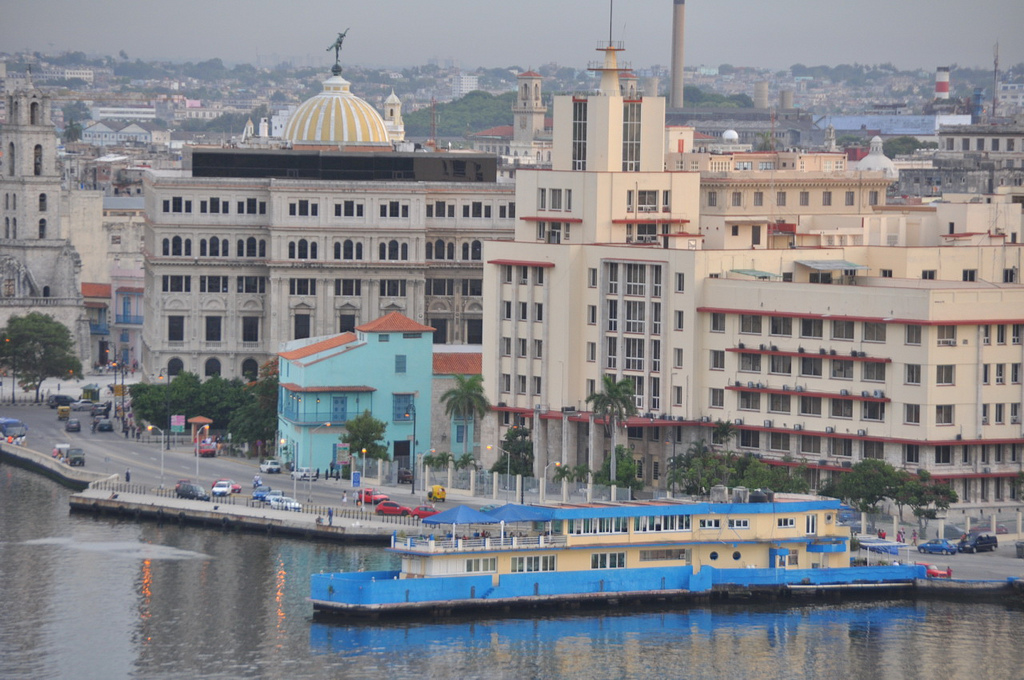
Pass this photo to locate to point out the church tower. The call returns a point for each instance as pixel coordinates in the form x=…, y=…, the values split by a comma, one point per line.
x=529, y=110
x=30, y=181
x=393, y=117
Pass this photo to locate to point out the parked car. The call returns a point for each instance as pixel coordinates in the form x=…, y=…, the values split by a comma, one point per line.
x=261, y=491
x=404, y=476
x=221, y=488
x=285, y=503
x=302, y=473
x=192, y=491
x=978, y=543
x=82, y=405
x=75, y=457
x=935, y=571
x=371, y=496
x=392, y=508
x=437, y=493
x=73, y=425
x=101, y=410
x=272, y=494
x=424, y=511
x=181, y=482
x=207, y=449
x=983, y=527
x=938, y=546
x=235, y=488
x=271, y=466
x=55, y=400
x=105, y=425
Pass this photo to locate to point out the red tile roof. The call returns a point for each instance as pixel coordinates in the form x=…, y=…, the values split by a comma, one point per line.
x=530, y=74
x=499, y=131
x=96, y=290
x=458, y=363
x=395, y=322
x=317, y=347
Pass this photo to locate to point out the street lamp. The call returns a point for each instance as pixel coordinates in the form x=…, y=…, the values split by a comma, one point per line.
x=309, y=467
x=508, y=466
x=544, y=480
x=162, y=435
x=200, y=432
x=167, y=406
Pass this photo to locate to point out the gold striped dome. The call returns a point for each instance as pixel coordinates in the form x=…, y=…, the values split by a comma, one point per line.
x=338, y=117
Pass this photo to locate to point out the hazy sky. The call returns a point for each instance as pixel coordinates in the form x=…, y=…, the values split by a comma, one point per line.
x=776, y=34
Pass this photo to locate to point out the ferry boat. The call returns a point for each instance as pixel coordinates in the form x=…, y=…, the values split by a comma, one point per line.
x=739, y=542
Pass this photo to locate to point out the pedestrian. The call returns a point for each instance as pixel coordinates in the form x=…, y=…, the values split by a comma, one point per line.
x=330, y=517
x=344, y=497
x=913, y=538
x=317, y=475
x=127, y=475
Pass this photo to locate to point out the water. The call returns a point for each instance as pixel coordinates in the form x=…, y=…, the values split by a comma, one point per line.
x=105, y=598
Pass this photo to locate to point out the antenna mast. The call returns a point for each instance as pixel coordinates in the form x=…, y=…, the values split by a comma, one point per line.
x=995, y=79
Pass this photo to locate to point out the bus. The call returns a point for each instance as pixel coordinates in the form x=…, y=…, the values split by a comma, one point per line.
x=12, y=429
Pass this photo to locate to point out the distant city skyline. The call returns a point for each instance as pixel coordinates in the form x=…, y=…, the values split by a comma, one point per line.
x=911, y=34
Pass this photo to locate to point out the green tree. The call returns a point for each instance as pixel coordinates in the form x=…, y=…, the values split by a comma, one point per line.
x=723, y=433
x=465, y=462
x=784, y=479
x=563, y=473
x=625, y=471
x=867, y=483
x=905, y=145
x=37, y=346
x=466, y=401
x=516, y=453
x=613, y=404
x=439, y=460
x=702, y=468
x=366, y=433
x=72, y=132
x=256, y=420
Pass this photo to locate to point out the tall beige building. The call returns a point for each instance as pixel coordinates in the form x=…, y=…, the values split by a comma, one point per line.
x=829, y=329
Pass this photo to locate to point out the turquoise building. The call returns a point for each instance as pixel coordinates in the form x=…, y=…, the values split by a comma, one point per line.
x=384, y=367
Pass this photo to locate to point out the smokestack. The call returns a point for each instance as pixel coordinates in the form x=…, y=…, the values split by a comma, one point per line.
x=942, y=82
x=786, y=99
x=678, y=25
x=761, y=94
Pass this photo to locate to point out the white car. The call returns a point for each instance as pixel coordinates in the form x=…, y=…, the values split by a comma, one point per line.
x=83, y=405
x=221, y=488
x=272, y=494
x=270, y=466
x=302, y=473
x=285, y=503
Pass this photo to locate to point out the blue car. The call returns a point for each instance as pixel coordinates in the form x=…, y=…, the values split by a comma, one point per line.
x=937, y=546
x=260, y=493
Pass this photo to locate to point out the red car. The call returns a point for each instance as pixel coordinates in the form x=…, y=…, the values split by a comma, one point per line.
x=934, y=571
x=371, y=496
x=235, y=488
x=423, y=511
x=207, y=449
x=392, y=508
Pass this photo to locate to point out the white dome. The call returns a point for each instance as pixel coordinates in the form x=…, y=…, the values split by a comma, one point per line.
x=876, y=160
x=730, y=136
x=336, y=117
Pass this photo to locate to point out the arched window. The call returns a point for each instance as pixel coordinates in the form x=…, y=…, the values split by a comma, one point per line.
x=291, y=250
x=167, y=247
x=214, y=247
x=188, y=247
x=14, y=227
x=46, y=291
x=359, y=251
x=430, y=250
x=439, y=249
x=465, y=251
x=7, y=227
x=42, y=202
x=347, y=251
x=176, y=246
x=536, y=92
x=337, y=250
x=392, y=250
x=224, y=248
x=42, y=228
x=303, y=249
x=175, y=366
x=477, y=251
x=211, y=368
x=383, y=251
x=37, y=160
x=202, y=247
x=405, y=251
x=33, y=114
x=451, y=251
x=263, y=248
x=14, y=201
x=7, y=201
x=526, y=91
x=240, y=248
x=10, y=159
x=313, y=250
x=250, y=369
x=250, y=247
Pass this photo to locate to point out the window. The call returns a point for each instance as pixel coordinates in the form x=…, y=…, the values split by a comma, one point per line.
x=710, y=523
x=533, y=563
x=780, y=198
x=175, y=329
x=1001, y=334
x=712, y=199
x=912, y=374
x=849, y=198
x=718, y=322
x=810, y=406
x=591, y=314
x=911, y=453
x=680, y=317
x=213, y=324
x=737, y=199
x=301, y=326
x=810, y=328
x=912, y=414
x=944, y=455
x=913, y=335
x=842, y=369
x=842, y=330
x=826, y=198
x=841, y=408
x=1017, y=330
x=750, y=324
x=786, y=522
x=970, y=275
x=592, y=277
x=749, y=401
x=750, y=363
x=928, y=274
x=779, y=403
x=717, y=360
x=873, y=371
x=250, y=329
x=944, y=414
x=780, y=365
x=872, y=410
x=873, y=197
x=750, y=439
x=805, y=198
x=717, y=398
x=1015, y=373
x=945, y=374
x=810, y=444
x=874, y=332
x=810, y=367
x=946, y=335
x=392, y=287
x=758, y=198
x=781, y=325
x=302, y=286
x=591, y=351
x=608, y=560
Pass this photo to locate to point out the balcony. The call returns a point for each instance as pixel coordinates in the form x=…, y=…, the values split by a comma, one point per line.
x=302, y=417
x=99, y=328
x=128, y=319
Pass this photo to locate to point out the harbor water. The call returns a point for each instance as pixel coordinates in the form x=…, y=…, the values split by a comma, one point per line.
x=90, y=597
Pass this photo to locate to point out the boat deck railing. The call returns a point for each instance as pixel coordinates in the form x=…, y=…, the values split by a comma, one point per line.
x=430, y=544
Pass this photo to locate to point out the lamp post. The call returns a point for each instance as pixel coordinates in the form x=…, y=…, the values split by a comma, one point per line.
x=544, y=480
x=162, y=435
x=309, y=460
x=412, y=451
x=198, y=434
x=167, y=406
x=508, y=466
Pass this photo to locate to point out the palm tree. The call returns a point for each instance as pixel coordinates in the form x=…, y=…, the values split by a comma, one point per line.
x=614, y=403
x=467, y=401
x=723, y=432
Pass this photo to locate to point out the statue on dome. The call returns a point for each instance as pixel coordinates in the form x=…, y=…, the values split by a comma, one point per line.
x=337, y=46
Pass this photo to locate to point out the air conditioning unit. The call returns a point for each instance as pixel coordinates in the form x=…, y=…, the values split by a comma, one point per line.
x=865, y=393
x=829, y=429
x=738, y=384
x=502, y=404
x=648, y=208
x=798, y=426
x=862, y=354
x=775, y=348
x=845, y=393
x=847, y=464
x=984, y=421
x=862, y=433
x=986, y=470
x=760, y=386
x=1015, y=420
x=947, y=341
x=705, y=419
x=738, y=421
x=853, y=352
x=879, y=394
x=799, y=388
x=750, y=384
x=959, y=437
x=763, y=347
x=832, y=352
x=822, y=351
x=741, y=345
x=800, y=349
x=785, y=388
x=767, y=423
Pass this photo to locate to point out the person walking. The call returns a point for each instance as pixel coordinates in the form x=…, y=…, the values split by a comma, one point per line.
x=344, y=497
x=913, y=538
x=330, y=517
x=127, y=475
